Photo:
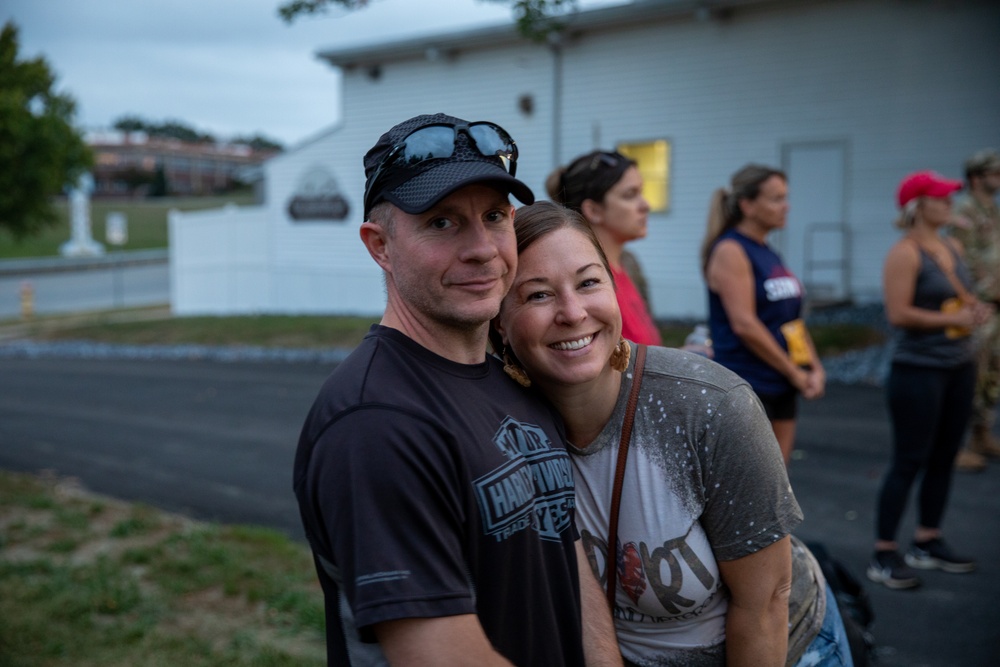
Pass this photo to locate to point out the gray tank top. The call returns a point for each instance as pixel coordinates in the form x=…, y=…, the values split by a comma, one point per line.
x=931, y=347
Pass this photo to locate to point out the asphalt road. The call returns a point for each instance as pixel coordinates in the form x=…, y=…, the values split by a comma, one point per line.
x=216, y=440
x=208, y=439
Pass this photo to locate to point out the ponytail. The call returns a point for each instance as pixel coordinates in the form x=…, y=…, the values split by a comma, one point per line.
x=724, y=210
x=720, y=218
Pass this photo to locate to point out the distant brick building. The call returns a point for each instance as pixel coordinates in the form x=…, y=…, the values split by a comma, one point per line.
x=132, y=163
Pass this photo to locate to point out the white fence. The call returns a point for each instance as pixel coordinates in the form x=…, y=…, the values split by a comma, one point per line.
x=219, y=261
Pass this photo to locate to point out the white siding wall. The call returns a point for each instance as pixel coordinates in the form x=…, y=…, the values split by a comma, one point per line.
x=484, y=85
x=903, y=85
x=320, y=267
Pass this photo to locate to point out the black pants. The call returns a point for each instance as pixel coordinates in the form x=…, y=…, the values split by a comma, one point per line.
x=930, y=410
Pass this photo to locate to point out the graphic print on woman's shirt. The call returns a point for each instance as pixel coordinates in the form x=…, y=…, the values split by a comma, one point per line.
x=781, y=285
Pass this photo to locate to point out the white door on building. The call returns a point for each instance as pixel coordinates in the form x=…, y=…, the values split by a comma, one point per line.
x=816, y=240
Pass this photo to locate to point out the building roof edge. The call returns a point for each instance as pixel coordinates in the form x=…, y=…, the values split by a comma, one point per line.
x=447, y=44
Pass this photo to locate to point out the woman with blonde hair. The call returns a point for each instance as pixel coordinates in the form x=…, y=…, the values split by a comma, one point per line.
x=755, y=302
x=928, y=300
x=606, y=188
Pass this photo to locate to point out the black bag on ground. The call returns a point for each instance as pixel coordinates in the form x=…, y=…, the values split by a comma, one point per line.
x=853, y=602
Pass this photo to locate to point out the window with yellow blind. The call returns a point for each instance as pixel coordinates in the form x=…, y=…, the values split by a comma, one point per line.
x=653, y=160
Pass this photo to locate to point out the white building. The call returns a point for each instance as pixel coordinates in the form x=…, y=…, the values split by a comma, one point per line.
x=848, y=96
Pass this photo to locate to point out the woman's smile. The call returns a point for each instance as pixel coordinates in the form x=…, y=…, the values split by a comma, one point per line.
x=577, y=344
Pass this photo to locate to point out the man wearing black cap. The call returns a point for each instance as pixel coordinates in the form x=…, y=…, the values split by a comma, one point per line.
x=436, y=494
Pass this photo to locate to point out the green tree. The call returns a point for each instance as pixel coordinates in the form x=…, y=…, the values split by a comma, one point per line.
x=536, y=19
x=175, y=129
x=130, y=124
x=159, y=187
x=169, y=129
x=40, y=150
x=259, y=142
x=135, y=178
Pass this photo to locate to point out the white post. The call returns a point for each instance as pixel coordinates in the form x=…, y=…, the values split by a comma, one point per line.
x=81, y=243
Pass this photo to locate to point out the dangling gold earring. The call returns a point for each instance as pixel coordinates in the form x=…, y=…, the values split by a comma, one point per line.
x=620, y=355
x=518, y=374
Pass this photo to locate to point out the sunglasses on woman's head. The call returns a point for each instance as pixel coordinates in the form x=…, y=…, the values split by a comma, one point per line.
x=595, y=161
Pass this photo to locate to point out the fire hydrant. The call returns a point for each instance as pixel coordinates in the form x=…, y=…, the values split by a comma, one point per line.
x=27, y=300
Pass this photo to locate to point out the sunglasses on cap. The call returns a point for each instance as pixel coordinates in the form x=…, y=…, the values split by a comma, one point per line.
x=435, y=142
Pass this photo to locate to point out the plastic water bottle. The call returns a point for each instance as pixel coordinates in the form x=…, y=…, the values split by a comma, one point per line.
x=699, y=341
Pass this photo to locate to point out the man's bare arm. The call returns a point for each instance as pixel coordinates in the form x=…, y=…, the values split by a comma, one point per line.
x=445, y=641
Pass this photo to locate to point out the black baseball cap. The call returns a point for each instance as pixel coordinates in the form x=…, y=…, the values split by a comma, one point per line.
x=416, y=187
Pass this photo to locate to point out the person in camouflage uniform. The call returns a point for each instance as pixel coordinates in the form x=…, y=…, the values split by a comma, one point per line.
x=978, y=228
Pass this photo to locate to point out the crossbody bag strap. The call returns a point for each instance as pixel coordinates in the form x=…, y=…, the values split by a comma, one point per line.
x=950, y=274
x=616, y=494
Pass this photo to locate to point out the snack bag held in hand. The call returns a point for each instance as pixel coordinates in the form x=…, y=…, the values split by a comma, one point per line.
x=795, y=335
x=953, y=305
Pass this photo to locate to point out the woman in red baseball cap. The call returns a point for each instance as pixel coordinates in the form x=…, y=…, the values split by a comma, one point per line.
x=929, y=303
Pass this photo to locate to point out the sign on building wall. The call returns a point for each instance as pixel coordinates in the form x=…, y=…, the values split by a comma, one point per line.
x=317, y=197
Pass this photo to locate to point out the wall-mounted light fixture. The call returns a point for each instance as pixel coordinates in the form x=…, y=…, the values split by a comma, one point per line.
x=526, y=104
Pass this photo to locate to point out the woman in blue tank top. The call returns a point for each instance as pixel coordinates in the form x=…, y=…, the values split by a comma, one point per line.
x=755, y=302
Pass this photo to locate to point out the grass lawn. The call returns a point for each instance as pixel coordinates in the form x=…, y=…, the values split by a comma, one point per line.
x=146, y=220
x=87, y=581
x=155, y=326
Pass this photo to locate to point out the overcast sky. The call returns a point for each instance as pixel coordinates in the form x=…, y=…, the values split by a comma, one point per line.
x=228, y=67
